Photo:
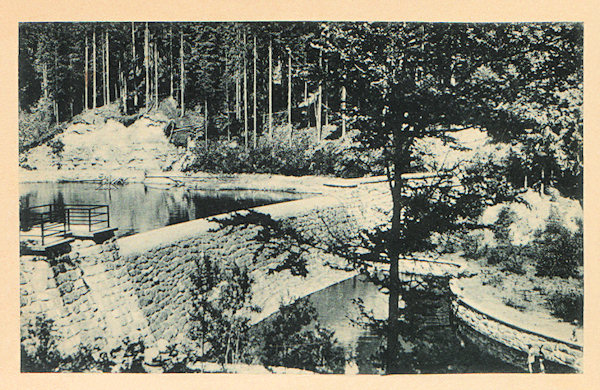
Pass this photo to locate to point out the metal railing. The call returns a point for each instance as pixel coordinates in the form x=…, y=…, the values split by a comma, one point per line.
x=49, y=221
x=95, y=217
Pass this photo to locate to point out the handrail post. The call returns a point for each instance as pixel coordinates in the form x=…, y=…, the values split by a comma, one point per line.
x=42, y=227
x=107, y=216
x=65, y=222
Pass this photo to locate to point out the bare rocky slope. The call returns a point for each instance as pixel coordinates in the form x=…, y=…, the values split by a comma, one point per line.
x=98, y=141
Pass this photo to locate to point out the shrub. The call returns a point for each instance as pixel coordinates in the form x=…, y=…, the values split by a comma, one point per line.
x=512, y=303
x=36, y=126
x=338, y=157
x=293, y=338
x=514, y=267
x=508, y=257
x=493, y=280
x=501, y=254
x=470, y=246
x=38, y=346
x=513, y=264
x=558, y=252
x=57, y=146
x=567, y=305
x=502, y=226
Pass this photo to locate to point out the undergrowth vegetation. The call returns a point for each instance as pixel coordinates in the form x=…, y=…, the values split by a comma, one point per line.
x=567, y=305
x=36, y=125
x=548, y=265
x=554, y=251
x=340, y=157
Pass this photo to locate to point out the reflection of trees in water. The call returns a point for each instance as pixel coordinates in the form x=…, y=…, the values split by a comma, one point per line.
x=136, y=207
x=26, y=215
x=429, y=340
x=25, y=202
x=177, y=206
x=58, y=208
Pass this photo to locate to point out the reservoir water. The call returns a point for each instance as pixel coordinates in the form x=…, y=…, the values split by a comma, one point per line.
x=136, y=207
x=439, y=348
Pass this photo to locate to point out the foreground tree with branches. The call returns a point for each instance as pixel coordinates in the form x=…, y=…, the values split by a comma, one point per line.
x=428, y=80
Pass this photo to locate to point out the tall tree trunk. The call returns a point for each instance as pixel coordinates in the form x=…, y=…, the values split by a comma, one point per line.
x=318, y=103
x=45, y=79
x=542, y=191
x=319, y=112
x=343, y=107
x=227, y=349
x=123, y=89
x=116, y=87
x=326, y=108
x=289, y=105
x=156, y=73
x=70, y=92
x=94, y=90
x=254, y=95
x=238, y=87
x=205, y=123
x=107, y=70
x=270, y=89
x=150, y=70
x=103, y=58
x=55, y=69
x=227, y=108
x=85, y=75
x=245, y=98
x=171, y=60
x=401, y=164
x=181, y=79
x=125, y=94
x=147, y=65
x=237, y=91
x=134, y=67
x=306, y=95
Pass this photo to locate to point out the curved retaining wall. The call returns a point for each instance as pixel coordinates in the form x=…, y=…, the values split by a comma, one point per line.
x=508, y=341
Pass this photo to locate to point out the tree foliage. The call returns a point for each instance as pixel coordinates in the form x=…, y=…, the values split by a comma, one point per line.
x=277, y=239
x=219, y=315
x=292, y=337
x=521, y=82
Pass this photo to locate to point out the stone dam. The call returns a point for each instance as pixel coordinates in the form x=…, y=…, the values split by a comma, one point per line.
x=139, y=286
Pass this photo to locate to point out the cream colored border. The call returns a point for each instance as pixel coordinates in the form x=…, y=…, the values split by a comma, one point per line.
x=407, y=10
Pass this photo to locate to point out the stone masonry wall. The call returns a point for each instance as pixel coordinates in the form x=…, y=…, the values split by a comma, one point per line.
x=90, y=301
x=510, y=343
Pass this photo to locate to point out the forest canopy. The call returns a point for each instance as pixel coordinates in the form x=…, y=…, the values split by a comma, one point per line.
x=522, y=83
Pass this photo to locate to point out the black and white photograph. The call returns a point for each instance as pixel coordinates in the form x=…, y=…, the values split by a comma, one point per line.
x=300, y=197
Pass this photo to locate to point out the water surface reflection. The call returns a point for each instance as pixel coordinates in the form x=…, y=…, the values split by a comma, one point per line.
x=137, y=208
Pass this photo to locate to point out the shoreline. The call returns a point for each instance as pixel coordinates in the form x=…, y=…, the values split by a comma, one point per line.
x=311, y=184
